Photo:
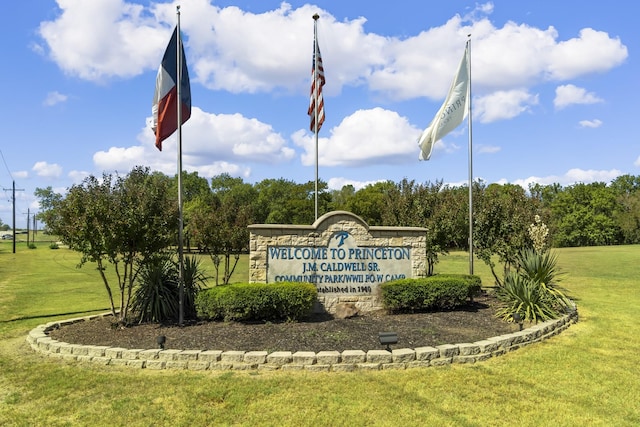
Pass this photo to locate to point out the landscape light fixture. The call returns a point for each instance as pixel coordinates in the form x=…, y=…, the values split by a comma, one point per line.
x=161, y=340
x=518, y=319
x=388, y=338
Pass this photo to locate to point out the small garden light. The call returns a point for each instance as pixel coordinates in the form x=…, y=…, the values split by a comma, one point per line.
x=518, y=319
x=388, y=338
x=161, y=340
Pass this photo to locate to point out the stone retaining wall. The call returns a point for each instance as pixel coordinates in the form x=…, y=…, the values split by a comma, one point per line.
x=346, y=361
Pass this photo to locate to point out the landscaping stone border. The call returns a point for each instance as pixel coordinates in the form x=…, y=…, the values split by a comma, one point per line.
x=346, y=361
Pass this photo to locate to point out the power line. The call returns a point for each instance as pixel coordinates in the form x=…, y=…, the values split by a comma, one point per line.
x=5, y=165
x=13, y=199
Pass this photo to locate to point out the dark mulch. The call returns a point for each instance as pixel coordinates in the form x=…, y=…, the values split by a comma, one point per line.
x=470, y=323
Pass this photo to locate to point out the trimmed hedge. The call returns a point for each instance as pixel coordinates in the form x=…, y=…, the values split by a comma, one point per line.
x=440, y=292
x=257, y=301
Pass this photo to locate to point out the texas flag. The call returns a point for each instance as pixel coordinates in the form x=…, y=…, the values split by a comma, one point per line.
x=165, y=98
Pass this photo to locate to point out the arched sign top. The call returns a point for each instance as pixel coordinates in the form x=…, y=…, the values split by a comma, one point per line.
x=329, y=215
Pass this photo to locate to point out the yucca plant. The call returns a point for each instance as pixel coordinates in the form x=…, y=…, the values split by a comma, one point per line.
x=156, y=296
x=194, y=280
x=539, y=266
x=531, y=290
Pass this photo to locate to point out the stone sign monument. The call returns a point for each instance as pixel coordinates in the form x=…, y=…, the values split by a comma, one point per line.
x=343, y=256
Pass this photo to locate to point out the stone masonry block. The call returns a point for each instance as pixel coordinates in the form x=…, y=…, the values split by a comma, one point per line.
x=210, y=355
x=487, y=346
x=232, y=356
x=403, y=355
x=328, y=357
x=448, y=350
x=427, y=353
x=304, y=358
x=131, y=354
x=188, y=355
x=379, y=356
x=354, y=356
x=468, y=349
x=255, y=357
x=280, y=357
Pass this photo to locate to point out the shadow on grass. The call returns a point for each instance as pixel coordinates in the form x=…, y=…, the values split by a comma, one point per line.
x=46, y=316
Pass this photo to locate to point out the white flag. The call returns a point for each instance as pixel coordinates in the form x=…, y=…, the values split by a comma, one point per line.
x=453, y=111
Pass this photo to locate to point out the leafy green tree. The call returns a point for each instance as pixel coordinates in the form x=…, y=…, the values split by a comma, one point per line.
x=121, y=221
x=219, y=225
x=583, y=215
x=502, y=216
x=340, y=199
x=626, y=189
x=48, y=200
x=282, y=201
x=370, y=202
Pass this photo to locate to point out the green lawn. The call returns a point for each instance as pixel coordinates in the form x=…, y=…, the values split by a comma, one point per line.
x=585, y=376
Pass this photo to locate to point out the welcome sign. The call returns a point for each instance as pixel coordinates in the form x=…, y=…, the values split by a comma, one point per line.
x=340, y=267
x=344, y=257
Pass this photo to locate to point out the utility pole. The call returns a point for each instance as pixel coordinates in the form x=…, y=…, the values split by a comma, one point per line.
x=28, y=217
x=31, y=216
x=13, y=197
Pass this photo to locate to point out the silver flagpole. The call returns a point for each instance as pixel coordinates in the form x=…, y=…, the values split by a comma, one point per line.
x=468, y=53
x=315, y=96
x=180, y=203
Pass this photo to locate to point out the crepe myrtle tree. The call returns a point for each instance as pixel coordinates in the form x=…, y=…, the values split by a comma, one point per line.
x=502, y=217
x=117, y=221
x=219, y=226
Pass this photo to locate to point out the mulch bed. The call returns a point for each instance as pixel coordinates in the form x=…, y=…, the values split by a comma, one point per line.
x=474, y=322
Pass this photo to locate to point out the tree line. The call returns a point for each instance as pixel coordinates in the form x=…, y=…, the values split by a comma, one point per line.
x=217, y=211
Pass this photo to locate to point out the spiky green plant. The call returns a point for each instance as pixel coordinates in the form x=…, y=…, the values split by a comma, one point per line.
x=194, y=280
x=157, y=294
x=155, y=298
x=532, y=291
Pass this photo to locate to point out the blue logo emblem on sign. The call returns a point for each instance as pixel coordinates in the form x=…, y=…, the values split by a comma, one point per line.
x=341, y=236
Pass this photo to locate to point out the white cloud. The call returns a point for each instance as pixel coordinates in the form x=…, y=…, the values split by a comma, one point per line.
x=212, y=144
x=47, y=170
x=488, y=149
x=502, y=105
x=77, y=176
x=569, y=94
x=21, y=174
x=365, y=137
x=590, y=123
x=243, y=52
x=338, y=182
x=593, y=51
x=54, y=98
x=571, y=177
x=104, y=38
x=637, y=162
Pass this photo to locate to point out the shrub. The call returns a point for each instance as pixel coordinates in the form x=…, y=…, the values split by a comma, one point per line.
x=32, y=246
x=440, y=292
x=531, y=290
x=54, y=246
x=257, y=301
x=157, y=295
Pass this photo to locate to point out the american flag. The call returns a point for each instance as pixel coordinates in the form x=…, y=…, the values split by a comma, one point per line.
x=317, y=81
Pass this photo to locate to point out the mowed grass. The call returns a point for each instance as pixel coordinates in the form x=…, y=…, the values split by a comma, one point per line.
x=585, y=376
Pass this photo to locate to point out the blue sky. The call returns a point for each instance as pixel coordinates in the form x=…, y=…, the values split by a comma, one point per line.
x=553, y=89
